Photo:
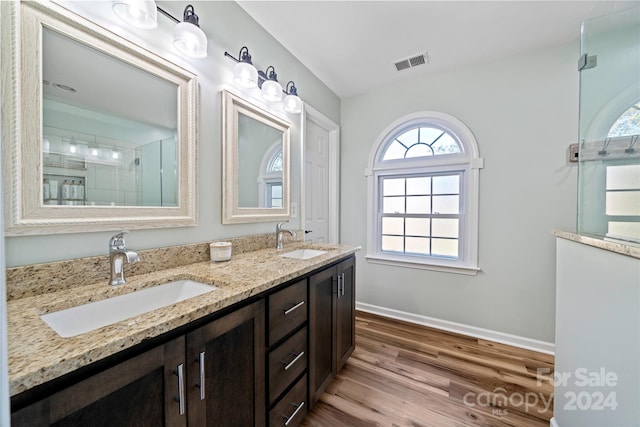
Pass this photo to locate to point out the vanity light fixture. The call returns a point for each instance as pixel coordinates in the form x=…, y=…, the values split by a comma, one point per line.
x=271, y=89
x=247, y=76
x=73, y=148
x=244, y=73
x=115, y=154
x=139, y=13
x=188, y=37
x=292, y=102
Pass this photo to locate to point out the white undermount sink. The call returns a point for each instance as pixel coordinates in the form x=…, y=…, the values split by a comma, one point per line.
x=87, y=317
x=304, y=254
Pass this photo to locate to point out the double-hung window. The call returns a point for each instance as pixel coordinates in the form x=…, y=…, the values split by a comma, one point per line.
x=423, y=195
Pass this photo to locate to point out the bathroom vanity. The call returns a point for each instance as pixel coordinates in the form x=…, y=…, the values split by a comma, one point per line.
x=256, y=351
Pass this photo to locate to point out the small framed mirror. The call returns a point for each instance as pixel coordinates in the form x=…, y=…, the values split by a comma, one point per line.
x=255, y=163
x=100, y=134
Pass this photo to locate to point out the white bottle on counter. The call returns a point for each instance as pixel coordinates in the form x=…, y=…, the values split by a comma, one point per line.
x=73, y=190
x=80, y=190
x=66, y=190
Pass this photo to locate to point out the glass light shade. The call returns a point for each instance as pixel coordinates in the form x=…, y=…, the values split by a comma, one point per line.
x=245, y=75
x=292, y=104
x=190, y=40
x=139, y=13
x=272, y=91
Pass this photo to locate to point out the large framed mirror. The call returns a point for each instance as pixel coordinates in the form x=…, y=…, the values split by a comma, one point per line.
x=99, y=133
x=255, y=163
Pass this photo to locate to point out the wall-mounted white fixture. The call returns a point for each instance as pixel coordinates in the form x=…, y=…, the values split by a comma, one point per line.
x=139, y=13
x=188, y=37
x=292, y=102
x=271, y=89
x=244, y=73
x=247, y=76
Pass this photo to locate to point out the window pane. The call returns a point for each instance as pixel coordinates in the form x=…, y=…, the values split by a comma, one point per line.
x=417, y=226
x=276, y=203
x=409, y=138
x=395, y=150
x=449, y=184
x=393, y=187
x=419, y=150
x=420, y=185
x=276, y=191
x=393, y=205
x=623, y=203
x=446, y=145
x=392, y=244
x=393, y=226
x=444, y=247
x=623, y=177
x=627, y=124
x=625, y=229
x=428, y=135
x=446, y=204
x=417, y=245
x=445, y=227
x=419, y=204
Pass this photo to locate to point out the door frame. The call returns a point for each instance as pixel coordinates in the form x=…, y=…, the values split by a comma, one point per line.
x=311, y=114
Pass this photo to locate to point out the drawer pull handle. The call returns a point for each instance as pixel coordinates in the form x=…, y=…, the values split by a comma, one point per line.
x=180, y=398
x=202, y=377
x=298, y=407
x=298, y=305
x=295, y=359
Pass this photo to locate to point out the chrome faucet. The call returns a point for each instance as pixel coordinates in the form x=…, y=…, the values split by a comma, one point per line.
x=279, y=232
x=118, y=254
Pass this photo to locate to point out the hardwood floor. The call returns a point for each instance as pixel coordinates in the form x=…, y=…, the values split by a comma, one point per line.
x=402, y=374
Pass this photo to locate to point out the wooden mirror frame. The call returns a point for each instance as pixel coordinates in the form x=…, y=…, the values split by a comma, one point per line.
x=232, y=105
x=24, y=211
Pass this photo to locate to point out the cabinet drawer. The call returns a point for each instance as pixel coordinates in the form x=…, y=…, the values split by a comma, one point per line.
x=287, y=310
x=293, y=407
x=286, y=363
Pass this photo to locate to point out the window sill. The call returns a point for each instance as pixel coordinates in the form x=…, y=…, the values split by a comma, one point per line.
x=433, y=266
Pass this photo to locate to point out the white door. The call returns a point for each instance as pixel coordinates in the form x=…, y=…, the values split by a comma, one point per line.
x=321, y=178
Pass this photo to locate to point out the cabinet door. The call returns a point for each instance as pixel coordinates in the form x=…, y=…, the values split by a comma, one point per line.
x=345, y=312
x=322, y=292
x=225, y=360
x=140, y=392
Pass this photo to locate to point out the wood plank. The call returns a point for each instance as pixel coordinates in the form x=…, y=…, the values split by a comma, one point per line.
x=403, y=374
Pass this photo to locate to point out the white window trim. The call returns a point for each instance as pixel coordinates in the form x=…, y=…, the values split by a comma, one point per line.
x=469, y=162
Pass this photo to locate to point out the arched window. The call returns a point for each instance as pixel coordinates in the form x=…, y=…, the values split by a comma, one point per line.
x=270, y=177
x=423, y=195
x=627, y=124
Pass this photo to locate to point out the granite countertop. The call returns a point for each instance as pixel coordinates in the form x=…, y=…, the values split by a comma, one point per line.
x=38, y=354
x=607, y=244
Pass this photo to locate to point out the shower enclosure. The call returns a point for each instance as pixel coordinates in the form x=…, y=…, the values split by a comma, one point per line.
x=609, y=151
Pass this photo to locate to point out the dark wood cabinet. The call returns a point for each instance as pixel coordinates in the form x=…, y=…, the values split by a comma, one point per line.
x=331, y=324
x=213, y=375
x=236, y=370
x=225, y=360
x=143, y=391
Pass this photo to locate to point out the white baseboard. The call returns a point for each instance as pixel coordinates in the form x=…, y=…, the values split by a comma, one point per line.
x=486, y=334
x=553, y=422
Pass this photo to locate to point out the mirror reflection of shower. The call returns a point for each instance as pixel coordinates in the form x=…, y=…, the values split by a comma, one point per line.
x=157, y=173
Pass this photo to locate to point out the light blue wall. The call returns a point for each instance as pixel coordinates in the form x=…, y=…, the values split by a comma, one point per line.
x=523, y=112
x=228, y=28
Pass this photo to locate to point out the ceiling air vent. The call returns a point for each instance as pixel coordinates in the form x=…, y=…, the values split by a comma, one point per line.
x=414, y=61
